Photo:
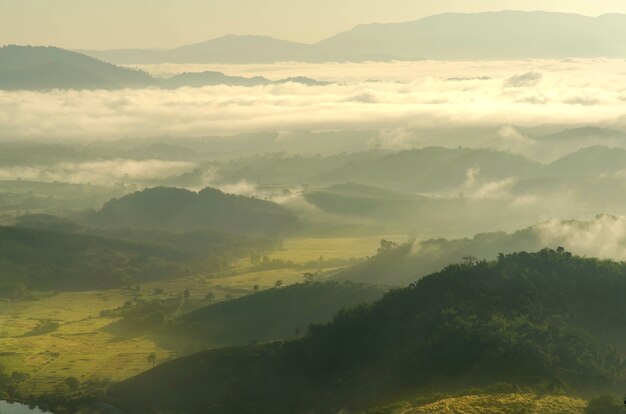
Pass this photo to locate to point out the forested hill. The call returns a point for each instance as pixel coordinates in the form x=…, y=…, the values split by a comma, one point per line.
x=183, y=210
x=38, y=259
x=26, y=67
x=274, y=313
x=546, y=320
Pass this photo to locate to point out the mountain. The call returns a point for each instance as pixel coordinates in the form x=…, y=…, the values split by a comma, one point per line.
x=388, y=211
x=42, y=68
x=208, y=78
x=547, y=321
x=587, y=134
x=211, y=78
x=590, y=162
x=433, y=169
x=225, y=49
x=490, y=35
x=177, y=209
x=278, y=313
x=449, y=36
x=27, y=67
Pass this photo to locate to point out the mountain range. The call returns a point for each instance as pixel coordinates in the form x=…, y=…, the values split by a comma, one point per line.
x=449, y=36
x=42, y=68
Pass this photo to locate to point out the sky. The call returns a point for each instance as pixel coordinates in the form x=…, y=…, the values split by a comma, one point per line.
x=100, y=24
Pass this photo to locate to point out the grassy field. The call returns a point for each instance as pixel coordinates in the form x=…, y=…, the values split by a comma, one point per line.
x=502, y=404
x=84, y=346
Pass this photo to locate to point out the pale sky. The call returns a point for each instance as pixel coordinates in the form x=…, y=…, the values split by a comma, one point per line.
x=104, y=24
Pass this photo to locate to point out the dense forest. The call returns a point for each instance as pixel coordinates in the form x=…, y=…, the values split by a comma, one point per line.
x=42, y=259
x=547, y=320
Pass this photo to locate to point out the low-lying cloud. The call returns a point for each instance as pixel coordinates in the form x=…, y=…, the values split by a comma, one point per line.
x=604, y=237
x=406, y=95
x=106, y=172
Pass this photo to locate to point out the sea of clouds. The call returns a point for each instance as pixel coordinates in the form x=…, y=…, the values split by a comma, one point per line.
x=387, y=96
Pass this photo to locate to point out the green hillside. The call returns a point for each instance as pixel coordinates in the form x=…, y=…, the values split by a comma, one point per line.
x=279, y=313
x=548, y=320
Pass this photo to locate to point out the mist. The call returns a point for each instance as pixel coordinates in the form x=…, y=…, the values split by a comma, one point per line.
x=438, y=95
x=423, y=216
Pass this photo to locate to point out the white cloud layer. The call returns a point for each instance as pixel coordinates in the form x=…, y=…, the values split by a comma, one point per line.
x=404, y=95
x=604, y=237
x=105, y=172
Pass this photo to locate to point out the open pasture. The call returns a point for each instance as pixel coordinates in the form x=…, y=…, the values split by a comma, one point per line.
x=84, y=345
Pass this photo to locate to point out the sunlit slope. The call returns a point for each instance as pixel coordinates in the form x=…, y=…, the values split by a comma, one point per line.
x=546, y=321
x=502, y=404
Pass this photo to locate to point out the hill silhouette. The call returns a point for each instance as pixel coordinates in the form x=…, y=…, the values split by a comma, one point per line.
x=199, y=79
x=548, y=320
x=178, y=209
x=432, y=169
x=28, y=67
x=44, y=68
x=450, y=36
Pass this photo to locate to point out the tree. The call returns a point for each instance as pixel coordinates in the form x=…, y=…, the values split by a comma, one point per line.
x=297, y=331
x=209, y=296
x=278, y=283
x=152, y=358
x=255, y=288
x=469, y=259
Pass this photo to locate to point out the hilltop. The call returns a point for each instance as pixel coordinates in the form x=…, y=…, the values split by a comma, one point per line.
x=179, y=209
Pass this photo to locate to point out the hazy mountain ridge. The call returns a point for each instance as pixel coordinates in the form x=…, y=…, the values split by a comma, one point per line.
x=44, y=68
x=28, y=67
x=179, y=209
x=449, y=36
x=432, y=168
